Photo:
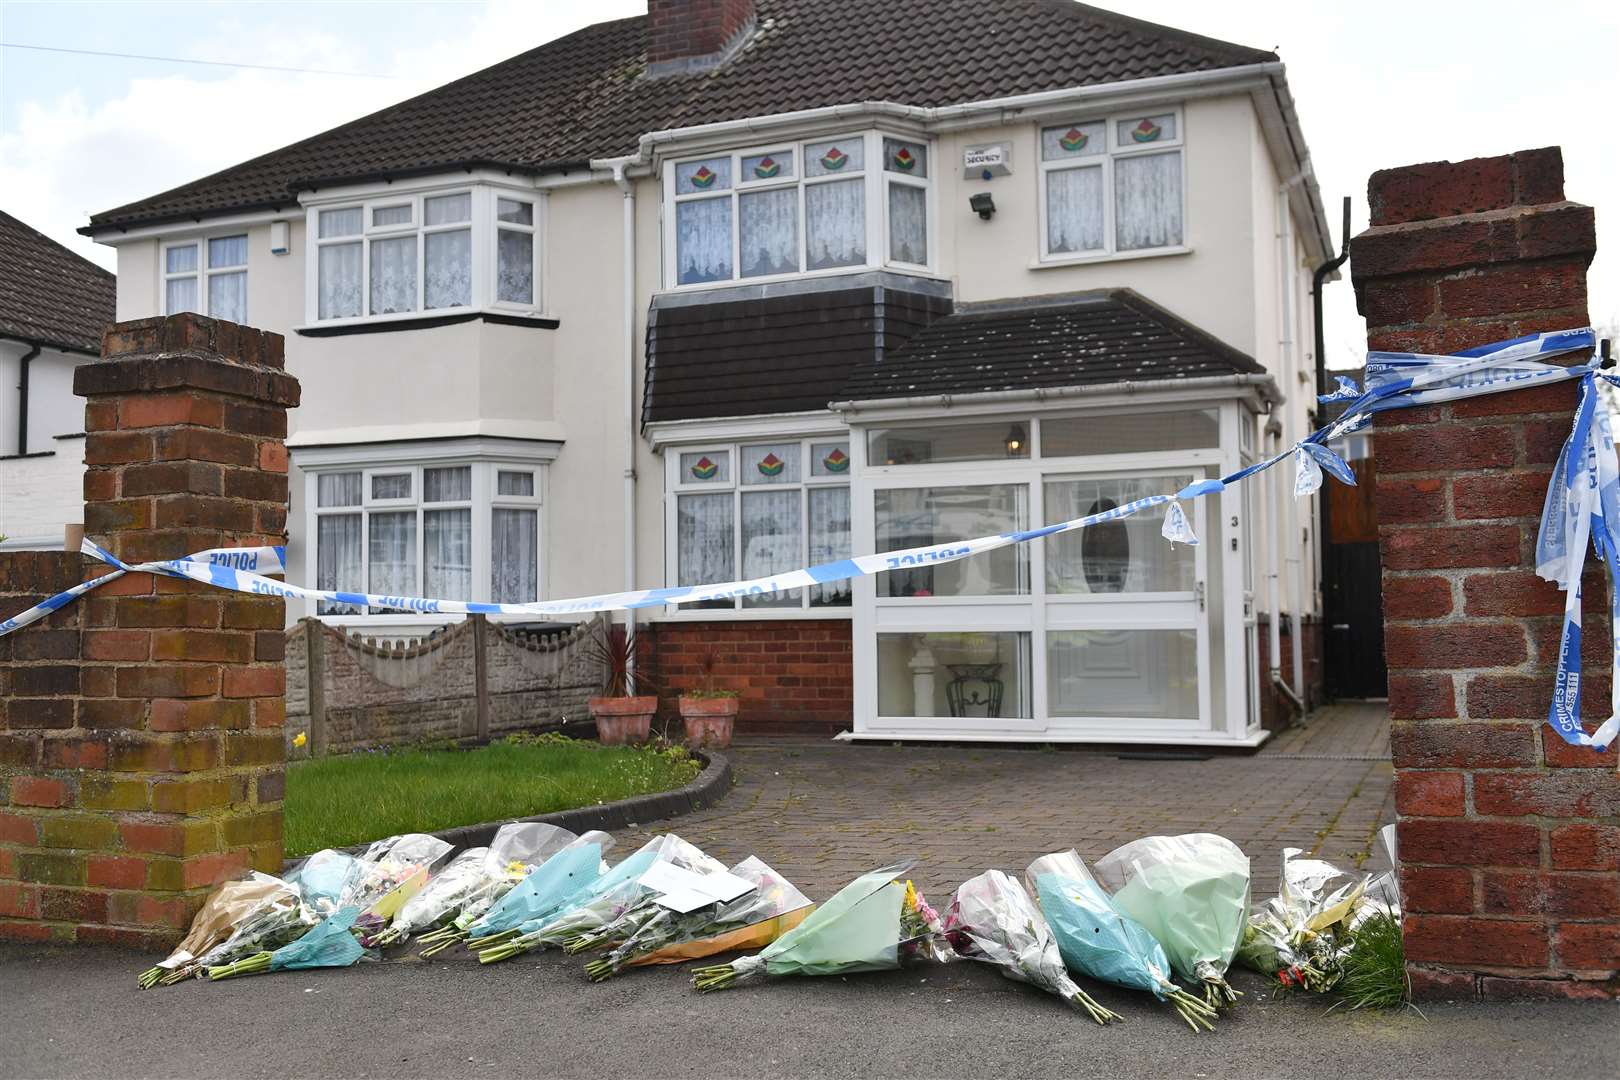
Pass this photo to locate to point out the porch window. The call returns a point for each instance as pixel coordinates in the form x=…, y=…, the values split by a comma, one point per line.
x=750, y=510
x=1124, y=556
x=1131, y=433
x=798, y=207
x=923, y=516
x=1112, y=185
x=439, y=251
x=421, y=530
x=947, y=443
x=955, y=674
x=208, y=277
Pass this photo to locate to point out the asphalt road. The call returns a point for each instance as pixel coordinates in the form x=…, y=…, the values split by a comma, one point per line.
x=78, y=1013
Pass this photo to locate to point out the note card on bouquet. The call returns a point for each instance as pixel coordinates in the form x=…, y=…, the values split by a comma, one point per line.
x=684, y=891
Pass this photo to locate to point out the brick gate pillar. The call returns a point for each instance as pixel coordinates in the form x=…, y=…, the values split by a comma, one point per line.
x=142, y=749
x=1509, y=839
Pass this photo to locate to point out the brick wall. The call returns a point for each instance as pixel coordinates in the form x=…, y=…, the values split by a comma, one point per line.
x=140, y=727
x=679, y=31
x=1509, y=838
x=795, y=676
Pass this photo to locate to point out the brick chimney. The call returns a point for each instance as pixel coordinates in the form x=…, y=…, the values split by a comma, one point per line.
x=685, y=36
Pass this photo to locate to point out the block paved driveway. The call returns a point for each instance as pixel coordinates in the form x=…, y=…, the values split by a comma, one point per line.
x=823, y=813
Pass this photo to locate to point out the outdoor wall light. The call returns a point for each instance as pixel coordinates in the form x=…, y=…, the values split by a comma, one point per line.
x=982, y=204
x=1015, y=436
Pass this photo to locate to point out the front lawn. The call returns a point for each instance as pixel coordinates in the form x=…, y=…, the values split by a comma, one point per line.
x=354, y=798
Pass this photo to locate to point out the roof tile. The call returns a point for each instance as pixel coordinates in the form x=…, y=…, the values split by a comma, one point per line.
x=49, y=294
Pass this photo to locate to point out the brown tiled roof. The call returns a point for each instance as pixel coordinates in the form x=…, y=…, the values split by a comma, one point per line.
x=48, y=294
x=778, y=354
x=1085, y=339
x=584, y=95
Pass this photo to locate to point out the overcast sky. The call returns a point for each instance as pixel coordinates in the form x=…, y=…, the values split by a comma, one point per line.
x=1379, y=83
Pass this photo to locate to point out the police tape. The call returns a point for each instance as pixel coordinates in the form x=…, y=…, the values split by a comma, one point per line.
x=1583, y=504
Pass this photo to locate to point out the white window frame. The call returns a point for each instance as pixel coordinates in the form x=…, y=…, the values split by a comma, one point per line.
x=875, y=177
x=486, y=463
x=485, y=250
x=1105, y=161
x=675, y=486
x=203, y=271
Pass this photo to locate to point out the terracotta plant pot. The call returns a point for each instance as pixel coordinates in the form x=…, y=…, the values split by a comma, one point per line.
x=623, y=720
x=709, y=721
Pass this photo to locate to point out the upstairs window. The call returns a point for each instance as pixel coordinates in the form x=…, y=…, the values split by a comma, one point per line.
x=207, y=276
x=1112, y=185
x=855, y=201
x=436, y=252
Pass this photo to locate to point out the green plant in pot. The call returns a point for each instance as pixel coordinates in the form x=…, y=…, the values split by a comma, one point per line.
x=708, y=713
x=623, y=714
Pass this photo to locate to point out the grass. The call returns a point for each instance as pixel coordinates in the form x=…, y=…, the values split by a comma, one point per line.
x=355, y=798
x=1375, y=969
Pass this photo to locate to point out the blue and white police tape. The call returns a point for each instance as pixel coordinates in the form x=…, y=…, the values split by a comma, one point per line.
x=1583, y=502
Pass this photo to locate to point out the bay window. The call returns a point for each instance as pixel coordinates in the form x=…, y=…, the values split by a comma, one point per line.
x=824, y=205
x=1112, y=185
x=207, y=276
x=748, y=510
x=457, y=530
x=400, y=255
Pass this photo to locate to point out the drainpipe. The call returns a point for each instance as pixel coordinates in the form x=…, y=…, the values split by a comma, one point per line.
x=1318, y=279
x=24, y=361
x=628, y=190
x=1273, y=498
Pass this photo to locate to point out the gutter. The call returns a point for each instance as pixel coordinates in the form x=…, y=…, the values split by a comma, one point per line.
x=1264, y=383
x=627, y=189
x=1318, y=278
x=24, y=362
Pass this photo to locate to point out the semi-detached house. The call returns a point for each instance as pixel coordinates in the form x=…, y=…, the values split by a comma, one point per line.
x=744, y=285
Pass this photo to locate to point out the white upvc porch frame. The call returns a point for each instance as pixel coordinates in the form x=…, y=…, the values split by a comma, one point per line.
x=1222, y=608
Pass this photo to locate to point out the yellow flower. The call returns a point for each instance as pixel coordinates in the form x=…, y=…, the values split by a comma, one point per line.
x=300, y=739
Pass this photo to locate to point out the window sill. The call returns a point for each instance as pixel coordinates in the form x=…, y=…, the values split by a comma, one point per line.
x=426, y=322
x=30, y=454
x=1121, y=256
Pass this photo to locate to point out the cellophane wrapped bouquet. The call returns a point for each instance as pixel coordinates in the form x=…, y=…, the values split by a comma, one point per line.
x=877, y=922
x=389, y=873
x=992, y=918
x=516, y=849
x=279, y=920
x=1097, y=940
x=573, y=868
x=1192, y=893
x=1301, y=935
x=595, y=905
x=749, y=922
x=642, y=911
x=232, y=905
x=329, y=943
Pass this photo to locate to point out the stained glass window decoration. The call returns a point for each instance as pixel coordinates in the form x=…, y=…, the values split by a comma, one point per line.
x=702, y=177
x=838, y=157
x=772, y=463
x=905, y=158
x=1146, y=129
x=776, y=165
x=829, y=459
x=1074, y=140
x=706, y=467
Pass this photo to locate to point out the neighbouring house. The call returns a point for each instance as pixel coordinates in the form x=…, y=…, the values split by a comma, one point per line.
x=53, y=306
x=744, y=285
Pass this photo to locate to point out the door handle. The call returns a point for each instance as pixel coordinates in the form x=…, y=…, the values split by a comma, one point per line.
x=1200, y=591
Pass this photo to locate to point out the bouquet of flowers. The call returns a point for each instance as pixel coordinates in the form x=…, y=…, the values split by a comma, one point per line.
x=875, y=923
x=321, y=878
x=596, y=905
x=751, y=921
x=642, y=911
x=1095, y=939
x=1192, y=893
x=386, y=876
x=991, y=918
x=1301, y=935
x=553, y=881
x=278, y=919
x=331, y=943
x=225, y=909
x=475, y=872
